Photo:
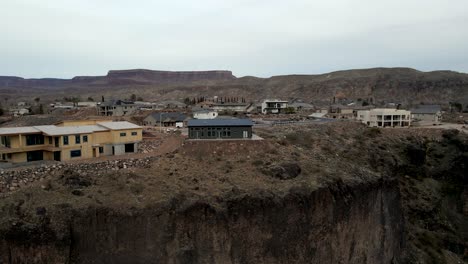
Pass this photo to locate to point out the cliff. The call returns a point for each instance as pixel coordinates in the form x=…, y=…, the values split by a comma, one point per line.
x=329, y=225
x=332, y=193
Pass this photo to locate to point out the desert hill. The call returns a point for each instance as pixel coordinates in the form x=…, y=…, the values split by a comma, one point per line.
x=403, y=85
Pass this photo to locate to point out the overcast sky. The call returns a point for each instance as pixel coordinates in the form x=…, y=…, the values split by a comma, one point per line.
x=64, y=38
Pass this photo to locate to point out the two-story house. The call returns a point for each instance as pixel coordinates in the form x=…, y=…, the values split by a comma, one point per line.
x=273, y=106
x=68, y=140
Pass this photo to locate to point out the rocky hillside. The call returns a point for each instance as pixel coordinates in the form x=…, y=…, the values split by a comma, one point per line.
x=335, y=193
x=377, y=85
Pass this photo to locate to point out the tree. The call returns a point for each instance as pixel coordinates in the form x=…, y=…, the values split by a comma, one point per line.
x=37, y=99
x=41, y=110
x=1, y=110
x=133, y=97
x=456, y=106
x=102, y=98
x=290, y=110
x=140, y=98
x=90, y=99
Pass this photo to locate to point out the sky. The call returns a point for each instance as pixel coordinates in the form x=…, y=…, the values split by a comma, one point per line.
x=66, y=38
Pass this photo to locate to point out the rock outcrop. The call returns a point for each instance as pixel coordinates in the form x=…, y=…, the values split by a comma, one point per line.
x=337, y=224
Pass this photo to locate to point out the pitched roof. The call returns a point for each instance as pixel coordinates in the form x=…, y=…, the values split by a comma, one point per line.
x=426, y=109
x=171, y=116
x=219, y=122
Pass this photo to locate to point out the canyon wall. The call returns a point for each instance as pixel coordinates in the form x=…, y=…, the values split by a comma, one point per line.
x=335, y=224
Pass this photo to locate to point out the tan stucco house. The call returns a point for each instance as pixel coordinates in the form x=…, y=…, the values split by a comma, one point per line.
x=68, y=140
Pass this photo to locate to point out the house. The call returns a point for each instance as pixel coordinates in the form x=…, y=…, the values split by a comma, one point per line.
x=274, y=106
x=67, y=105
x=205, y=114
x=220, y=128
x=230, y=107
x=87, y=104
x=170, y=104
x=19, y=111
x=385, y=117
x=429, y=114
x=171, y=119
x=116, y=108
x=71, y=140
x=301, y=106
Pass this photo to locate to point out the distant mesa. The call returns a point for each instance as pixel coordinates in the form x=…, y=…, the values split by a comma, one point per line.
x=149, y=76
x=121, y=77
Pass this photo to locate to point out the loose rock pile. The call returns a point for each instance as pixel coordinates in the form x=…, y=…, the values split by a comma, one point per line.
x=148, y=146
x=15, y=179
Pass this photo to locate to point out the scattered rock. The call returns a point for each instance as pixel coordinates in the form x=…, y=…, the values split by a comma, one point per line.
x=285, y=171
x=77, y=192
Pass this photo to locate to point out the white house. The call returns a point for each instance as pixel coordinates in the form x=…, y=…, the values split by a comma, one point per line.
x=205, y=114
x=87, y=104
x=385, y=117
x=274, y=106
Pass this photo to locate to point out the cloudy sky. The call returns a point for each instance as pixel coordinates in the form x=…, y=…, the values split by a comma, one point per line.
x=64, y=38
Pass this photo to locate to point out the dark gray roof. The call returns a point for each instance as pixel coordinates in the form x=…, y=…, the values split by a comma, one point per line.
x=116, y=102
x=426, y=109
x=171, y=116
x=219, y=122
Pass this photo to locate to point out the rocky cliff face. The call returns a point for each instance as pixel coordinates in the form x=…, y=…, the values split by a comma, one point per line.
x=339, y=224
x=331, y=193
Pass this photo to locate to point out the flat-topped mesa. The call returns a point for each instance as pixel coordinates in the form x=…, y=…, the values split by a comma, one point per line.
x=141, y=75
x=13, y=81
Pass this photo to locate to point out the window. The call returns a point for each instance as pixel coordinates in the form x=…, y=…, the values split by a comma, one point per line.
x=65, y=140
x=85, y=138
x=77, y=139
x=123, y=134
x=101, y=150
x=5, y=141
x=34, y=140
x=134, y=133
x=75, y=153
x=50, y=140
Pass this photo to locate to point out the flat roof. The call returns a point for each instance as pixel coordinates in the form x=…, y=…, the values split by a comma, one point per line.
x=118, y=125
x=68, y=130
x=53, y=130
x=219, y=122
x=18, y=130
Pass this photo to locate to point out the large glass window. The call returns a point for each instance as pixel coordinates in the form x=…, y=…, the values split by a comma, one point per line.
x=85, y=138
x=65, y=140
x=123, y=134
x=34, y=140
x=77, y=139
x=134, y=133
